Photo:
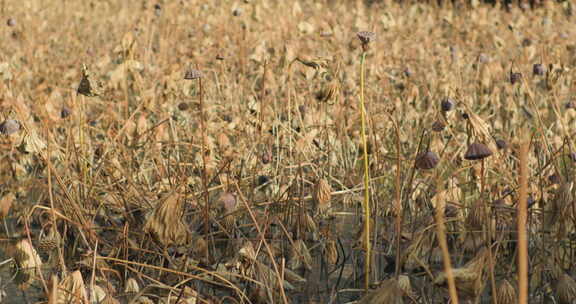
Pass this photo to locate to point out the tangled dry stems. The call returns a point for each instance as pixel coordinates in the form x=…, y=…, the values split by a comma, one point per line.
x=109, y=156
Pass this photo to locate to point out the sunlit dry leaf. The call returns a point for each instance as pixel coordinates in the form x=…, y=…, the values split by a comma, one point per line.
x=389, y=292
x=6, y=203
x=165, y=221
x=72, y=290
x=300, y=256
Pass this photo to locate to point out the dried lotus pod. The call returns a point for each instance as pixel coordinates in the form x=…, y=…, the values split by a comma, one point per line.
x=477, y=151
x=366, y=36
x=192, y=74
x=9, y=126
x=427, y=160
x=447, y=104
x=88, y=86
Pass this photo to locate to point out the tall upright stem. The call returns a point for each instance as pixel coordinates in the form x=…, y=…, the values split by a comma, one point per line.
x=367, y=245
x=522, y=219
x=204, y=173
x=398, y=208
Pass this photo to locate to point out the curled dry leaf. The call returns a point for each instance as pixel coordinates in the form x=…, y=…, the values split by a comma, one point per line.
x=301, y=257
x=506, y=292
x=247, y=252
x=25, y=255
x=469, y=279
x=565, y=289
x=322, y=196
x=405, y=285
x=330, y=252
x=132, y=286
x=189, y=296
x=6, y=203
x=71, y=290
x=165, y=222
x=99, y=295
x=389, y=292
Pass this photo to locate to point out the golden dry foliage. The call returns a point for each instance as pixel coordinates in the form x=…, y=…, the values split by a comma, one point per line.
x=389, y=292
x=470, y=279
x=6, y=203
x=330, y=91
x=506, y=293
x=108, y=299
x=565, y=289
x=300, y=256
x=27, y=259
x=279, y=89
x=251, y=266
x=476, y=216
x=322, y=196
x=165, y=221
x=556, y=218
x=131, y=286
x=330, y=252
x=189, y=296
x=71, y=290
x=405, y=285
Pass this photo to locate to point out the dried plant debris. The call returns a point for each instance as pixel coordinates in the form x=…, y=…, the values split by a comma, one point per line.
x=192, y=74
x=165, y=221
x=389, y=292
x=27, y=260
x=470, y=280
x=71, y=289
x=565, y=289
x=322, y=196
x=477, y=151
x=9, y=127
x=427, y=160
x=259, y=199
x=506, y=292
x=88, y=86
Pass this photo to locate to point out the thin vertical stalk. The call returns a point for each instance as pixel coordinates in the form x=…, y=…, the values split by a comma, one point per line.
x=262, y=96
x=204, y=173
x=83, y=150
x=522, y=219
x=398, y=208
x=367, y=245
x=441, y=231
x=488, y=234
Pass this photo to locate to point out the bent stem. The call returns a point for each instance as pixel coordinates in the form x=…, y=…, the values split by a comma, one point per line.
x=366, y=177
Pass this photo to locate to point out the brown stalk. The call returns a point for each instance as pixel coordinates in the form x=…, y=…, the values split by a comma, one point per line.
x=204, y=173
x=398, y=201
x=522, y=219
x=441, y=231
x=489, y=235
x=262, y=95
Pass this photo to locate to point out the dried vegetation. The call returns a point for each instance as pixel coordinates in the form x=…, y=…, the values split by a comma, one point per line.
x=210, y=151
